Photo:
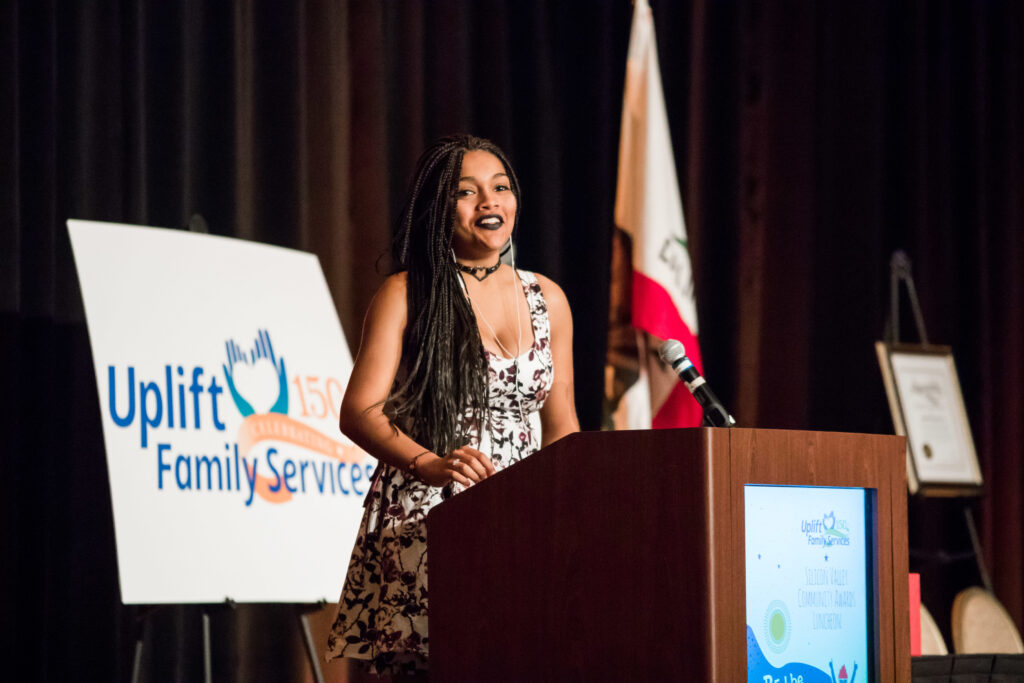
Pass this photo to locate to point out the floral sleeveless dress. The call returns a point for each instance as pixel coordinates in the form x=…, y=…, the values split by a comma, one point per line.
x=382, y=613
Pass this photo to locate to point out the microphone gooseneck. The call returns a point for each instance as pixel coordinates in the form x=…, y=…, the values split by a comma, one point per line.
x=715, y=415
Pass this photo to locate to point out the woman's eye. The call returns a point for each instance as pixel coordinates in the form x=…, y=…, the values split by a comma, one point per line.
x=463, y=193
x=502, y=188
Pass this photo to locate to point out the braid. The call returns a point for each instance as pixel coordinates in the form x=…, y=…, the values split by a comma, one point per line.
x=442, y=399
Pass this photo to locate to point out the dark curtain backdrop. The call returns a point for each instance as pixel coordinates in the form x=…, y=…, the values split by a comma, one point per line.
x=811, y=139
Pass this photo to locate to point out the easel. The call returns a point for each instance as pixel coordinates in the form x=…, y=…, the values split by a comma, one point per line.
x=142, y=629
x=156, y=557
x=900, y=271
x=197, y=223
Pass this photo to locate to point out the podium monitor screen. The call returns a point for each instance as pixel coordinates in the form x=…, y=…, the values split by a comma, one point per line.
x=810, y=571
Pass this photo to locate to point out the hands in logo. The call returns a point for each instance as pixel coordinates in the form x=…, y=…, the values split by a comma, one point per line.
x=262, y=349
x=829, y=521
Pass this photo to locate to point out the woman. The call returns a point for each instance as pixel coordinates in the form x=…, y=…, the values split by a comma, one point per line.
x=457, y=351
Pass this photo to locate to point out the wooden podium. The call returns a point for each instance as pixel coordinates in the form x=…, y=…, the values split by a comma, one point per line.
x=615, y=556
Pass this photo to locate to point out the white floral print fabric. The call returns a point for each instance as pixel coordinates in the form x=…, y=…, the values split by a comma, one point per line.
x=382, y=613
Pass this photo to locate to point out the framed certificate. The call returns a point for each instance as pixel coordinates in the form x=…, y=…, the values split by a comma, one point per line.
x=928, y=408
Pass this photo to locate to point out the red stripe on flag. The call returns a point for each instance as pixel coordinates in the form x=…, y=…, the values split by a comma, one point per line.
x=680, y=409
x=655, y=312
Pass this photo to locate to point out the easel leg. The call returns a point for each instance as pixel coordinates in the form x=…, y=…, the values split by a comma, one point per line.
x=137, y=659
x=307, y=637
x=142, y=617
x=207, y=658
x=986, y=581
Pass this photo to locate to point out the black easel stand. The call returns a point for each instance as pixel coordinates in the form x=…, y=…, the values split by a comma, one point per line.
x=141, y=631
x=900, y=271
x=307, y=637
x=142, y=624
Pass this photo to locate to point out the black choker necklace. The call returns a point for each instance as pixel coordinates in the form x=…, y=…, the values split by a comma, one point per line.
x=481, y=273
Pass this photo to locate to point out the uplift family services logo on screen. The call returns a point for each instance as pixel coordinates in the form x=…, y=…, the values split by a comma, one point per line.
x=302, y=461
x=826, y=531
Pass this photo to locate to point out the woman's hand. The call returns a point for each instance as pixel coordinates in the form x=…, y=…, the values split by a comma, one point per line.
x=465, y=465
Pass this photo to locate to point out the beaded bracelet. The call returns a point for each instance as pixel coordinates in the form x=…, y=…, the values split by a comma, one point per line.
x=412, y=464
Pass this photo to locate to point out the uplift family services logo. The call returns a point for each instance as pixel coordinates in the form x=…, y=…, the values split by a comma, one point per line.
x=827, y=531
x=299, y=460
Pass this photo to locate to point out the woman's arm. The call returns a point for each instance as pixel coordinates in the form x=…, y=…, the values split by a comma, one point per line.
x=362, y=409
x=558, y=416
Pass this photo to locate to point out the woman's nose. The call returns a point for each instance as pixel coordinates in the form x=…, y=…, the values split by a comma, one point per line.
x=488, y=198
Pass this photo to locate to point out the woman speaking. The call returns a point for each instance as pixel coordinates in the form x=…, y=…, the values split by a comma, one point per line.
x=457, y=351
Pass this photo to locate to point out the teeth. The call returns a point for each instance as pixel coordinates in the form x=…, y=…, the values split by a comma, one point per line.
x=490, y=221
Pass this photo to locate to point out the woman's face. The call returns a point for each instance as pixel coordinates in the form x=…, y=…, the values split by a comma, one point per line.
x=485, y=207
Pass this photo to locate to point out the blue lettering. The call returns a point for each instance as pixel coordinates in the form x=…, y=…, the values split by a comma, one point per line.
x=276, y=486
x=178, y=462
x=209, y=462
x=320, y=476
x=161, y=448
x=144, y=390
x=250, y=476
x=195, y=389
x=357, y=476
x=181, y=399
x=127, y=419
x=346, y=478
x=215, y=391
x=289, y=472
x=341, y=468
x=170, y=396
x=227, y=469
x=227, y=464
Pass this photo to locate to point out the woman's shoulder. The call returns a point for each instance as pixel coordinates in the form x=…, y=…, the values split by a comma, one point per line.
x=547, y=286
x=396, y=282
x=393, y=287
x=552, y=293
x=390, y=296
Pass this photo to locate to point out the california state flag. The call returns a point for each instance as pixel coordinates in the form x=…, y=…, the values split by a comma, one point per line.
x=649, y=210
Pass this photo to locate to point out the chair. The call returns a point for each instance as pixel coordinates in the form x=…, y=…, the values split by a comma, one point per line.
x=981, y=625
x=932, y=642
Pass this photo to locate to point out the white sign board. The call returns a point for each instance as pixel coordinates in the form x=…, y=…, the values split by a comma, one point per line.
x=220, y=364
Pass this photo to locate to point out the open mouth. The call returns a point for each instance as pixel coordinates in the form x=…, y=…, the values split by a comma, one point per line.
x=490, y=222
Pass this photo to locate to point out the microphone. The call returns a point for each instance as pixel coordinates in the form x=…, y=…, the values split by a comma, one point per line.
x=674, y=354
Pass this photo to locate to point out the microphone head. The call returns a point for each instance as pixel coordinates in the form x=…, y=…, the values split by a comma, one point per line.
x=672, y=351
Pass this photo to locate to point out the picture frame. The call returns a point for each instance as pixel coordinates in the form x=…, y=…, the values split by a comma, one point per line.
x=927, y=408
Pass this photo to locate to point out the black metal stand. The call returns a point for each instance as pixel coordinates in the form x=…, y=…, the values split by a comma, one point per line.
x=141, y=631
x=307, y=638
x=986, y=580
x=900, y=271
x=143, y=628
x=207, y=653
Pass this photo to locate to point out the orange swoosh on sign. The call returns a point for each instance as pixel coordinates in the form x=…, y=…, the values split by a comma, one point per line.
x=278, y=427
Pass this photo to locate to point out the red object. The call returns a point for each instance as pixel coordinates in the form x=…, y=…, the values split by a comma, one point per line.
x=656, y=313
x=915, y=615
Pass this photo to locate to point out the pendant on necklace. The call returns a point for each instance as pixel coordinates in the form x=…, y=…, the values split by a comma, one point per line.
x=481, y=273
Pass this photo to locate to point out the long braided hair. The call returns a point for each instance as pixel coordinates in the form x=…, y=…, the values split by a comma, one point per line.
x=445, y=379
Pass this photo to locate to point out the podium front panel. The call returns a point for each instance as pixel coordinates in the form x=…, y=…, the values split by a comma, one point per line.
x=620, y=555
